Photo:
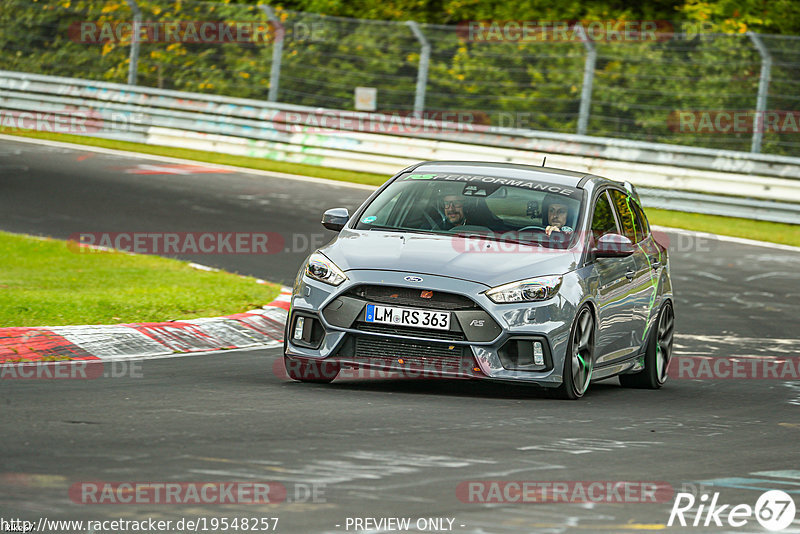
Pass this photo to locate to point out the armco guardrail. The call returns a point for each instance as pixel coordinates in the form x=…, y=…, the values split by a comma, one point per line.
x=767, y=186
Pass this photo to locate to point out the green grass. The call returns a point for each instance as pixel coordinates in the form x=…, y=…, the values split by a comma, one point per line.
x=45, y=283
x=787, y=234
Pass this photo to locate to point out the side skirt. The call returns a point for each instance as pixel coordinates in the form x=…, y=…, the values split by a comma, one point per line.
x=630, y=365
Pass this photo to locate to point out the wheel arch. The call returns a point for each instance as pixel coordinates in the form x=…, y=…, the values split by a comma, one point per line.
x=592, y=305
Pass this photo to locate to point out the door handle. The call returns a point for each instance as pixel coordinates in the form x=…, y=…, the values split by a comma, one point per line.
x=629, y=274
x=654, y=262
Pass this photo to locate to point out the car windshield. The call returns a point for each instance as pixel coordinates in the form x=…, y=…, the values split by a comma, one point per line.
x=493, y=207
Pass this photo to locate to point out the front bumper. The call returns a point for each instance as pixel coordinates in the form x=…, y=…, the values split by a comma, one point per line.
x=467, y=351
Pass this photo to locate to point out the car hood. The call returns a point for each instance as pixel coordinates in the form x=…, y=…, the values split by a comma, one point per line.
x=478, y=260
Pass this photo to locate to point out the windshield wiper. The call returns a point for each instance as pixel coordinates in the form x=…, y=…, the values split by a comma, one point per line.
x=399, y=229
x=495, y=237
x=384, y=227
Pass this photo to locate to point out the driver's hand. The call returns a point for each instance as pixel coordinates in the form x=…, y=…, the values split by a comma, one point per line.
x=550, y=229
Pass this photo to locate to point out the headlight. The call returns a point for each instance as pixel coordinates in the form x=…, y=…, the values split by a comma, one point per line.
x=530, y=290
x=321, y=268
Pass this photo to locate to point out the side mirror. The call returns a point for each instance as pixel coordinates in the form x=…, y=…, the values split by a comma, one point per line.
x=613, y=246
x=335, y=218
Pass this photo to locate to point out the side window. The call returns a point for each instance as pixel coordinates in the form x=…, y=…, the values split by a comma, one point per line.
x=626, y=217
x=603, y=219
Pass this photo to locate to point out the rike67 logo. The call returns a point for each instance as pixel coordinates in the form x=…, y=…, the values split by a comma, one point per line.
x=774, y=510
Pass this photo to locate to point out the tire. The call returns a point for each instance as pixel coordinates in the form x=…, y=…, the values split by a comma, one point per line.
x=657, y=354
x=579, y=362
x=311, y=371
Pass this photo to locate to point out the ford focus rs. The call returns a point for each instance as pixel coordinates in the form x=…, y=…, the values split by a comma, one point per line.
x=488, y=271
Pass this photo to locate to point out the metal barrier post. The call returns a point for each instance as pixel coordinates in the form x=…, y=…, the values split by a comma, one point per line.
x=422, y=71
x=763, y=91
x=588, y=80
x=133, y=63
x=277, y=52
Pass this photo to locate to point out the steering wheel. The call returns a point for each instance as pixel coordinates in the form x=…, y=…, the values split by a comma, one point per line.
x=533, y=227
x=434, y=224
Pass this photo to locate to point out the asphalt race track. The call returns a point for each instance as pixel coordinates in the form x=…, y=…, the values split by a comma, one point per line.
x=385, y=447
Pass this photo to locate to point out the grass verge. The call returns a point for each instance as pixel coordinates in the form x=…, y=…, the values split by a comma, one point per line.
x=786, y=234
x=45, y=283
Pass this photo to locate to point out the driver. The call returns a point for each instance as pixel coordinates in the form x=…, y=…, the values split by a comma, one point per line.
x=557, y=213
x=454, y=210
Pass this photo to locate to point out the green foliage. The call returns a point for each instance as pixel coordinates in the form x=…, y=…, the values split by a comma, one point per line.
x=639, y=85
x=764, y=16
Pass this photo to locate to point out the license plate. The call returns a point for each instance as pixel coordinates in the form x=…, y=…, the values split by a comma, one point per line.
x=408, y=317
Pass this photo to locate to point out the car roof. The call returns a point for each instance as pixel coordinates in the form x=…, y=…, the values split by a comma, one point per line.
x=512, y=170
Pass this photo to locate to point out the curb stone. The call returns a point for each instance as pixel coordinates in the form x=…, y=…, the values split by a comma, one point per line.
x=261, y=327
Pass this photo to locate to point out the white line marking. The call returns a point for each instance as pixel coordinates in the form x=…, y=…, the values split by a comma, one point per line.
x=710, y=275
x=770, y=274
x=779, y=474
x=201, y=267
x=730, y=239
x=167, y=159
x=737, y=340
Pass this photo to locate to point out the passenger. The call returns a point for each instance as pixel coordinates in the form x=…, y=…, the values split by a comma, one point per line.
x=557, y=212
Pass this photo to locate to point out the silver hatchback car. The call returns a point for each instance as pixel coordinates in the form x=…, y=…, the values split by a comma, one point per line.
x=488, y=271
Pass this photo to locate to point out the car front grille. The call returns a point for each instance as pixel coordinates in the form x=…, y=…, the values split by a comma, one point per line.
x=416, y=354
x=407, y=331
x=407, y=296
